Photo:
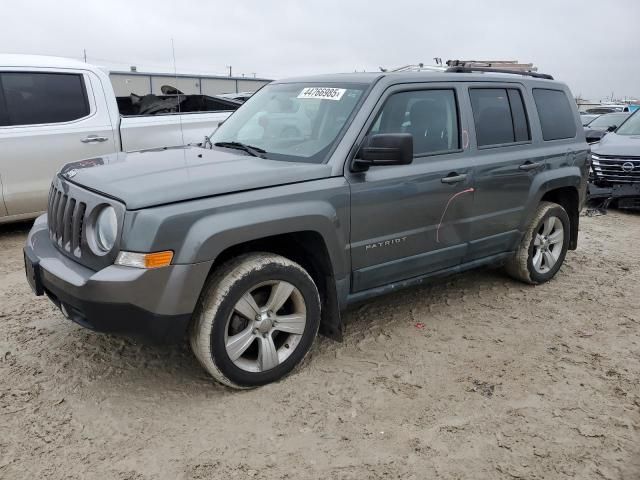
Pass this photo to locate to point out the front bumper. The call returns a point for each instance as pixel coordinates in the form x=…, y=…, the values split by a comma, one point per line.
x=626, y=195
x=155, y=303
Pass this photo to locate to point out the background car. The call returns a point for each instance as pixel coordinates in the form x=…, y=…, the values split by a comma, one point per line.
x=599, y=127
x=616, y=166
x=609, y=109
x=587, y=118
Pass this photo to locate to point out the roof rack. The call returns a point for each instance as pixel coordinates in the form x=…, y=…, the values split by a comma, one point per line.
x=498, y=66
x=418, y=67
x=469, y=66
x=498, y=70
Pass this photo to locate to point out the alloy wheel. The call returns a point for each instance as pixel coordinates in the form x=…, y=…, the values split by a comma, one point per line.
x=266, y=326
x=547, y=244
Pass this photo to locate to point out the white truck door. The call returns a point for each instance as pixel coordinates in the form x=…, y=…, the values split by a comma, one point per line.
x=55, y=116
x=3, y=209
x=4, y=121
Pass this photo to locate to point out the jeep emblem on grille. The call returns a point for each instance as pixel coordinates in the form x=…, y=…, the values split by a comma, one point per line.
x=72, y=173
x=627, y=167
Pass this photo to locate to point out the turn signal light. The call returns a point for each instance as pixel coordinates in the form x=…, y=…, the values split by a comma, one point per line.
x=145, y=260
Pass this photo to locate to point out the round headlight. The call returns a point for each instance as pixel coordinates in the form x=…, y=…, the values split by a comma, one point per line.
x=106, y=229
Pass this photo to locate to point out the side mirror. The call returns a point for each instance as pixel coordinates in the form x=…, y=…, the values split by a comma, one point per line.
x=207, y=142
x=384, y=149
x=611, y=128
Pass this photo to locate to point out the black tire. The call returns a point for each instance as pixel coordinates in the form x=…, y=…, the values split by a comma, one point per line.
x=521, y=265
x=218, y=304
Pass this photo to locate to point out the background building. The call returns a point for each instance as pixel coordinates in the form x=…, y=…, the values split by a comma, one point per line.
x=141, y=83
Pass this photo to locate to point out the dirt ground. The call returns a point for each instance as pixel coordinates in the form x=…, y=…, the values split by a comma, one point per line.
x=476, y=378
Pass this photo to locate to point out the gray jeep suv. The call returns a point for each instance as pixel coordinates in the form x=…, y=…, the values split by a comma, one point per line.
x=317, y=193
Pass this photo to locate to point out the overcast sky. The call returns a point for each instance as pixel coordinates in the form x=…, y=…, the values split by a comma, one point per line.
x=592, y=46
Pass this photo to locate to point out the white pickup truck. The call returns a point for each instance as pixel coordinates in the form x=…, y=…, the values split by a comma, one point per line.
x=55, y=110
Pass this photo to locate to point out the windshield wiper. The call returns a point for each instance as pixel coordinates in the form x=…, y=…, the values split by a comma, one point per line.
x=251, y=150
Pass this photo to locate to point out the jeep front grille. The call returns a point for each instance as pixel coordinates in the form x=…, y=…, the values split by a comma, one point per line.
x=616, y=169
x=65, y=216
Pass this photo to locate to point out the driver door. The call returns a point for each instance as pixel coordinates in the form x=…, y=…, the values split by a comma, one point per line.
x=411, y=220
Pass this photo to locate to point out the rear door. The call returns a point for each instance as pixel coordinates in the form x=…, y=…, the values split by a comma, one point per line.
x=410, y=220
x=505, y=165
x=54, y=117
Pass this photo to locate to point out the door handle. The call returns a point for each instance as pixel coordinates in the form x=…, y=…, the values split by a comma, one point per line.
x=94, y=139
x=530, y=166
x=454, y=178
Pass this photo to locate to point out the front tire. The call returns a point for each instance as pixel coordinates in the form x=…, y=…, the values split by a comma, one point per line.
x=257, y=319
x=543, y=247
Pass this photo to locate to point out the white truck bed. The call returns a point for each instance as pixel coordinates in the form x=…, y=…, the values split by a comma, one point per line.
x=141, y=133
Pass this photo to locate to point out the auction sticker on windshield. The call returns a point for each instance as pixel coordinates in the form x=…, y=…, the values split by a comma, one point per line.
x=323, y=93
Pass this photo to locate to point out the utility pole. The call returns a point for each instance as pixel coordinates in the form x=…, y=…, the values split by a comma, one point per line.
x=230, y=67
x=84, y=51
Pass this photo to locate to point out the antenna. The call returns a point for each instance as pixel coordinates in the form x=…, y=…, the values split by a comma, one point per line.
x=175, y=73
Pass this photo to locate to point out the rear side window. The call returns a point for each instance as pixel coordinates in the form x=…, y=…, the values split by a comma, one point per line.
x=499, y=116
x=430, y=116
x=37, y=98
x=556, y=116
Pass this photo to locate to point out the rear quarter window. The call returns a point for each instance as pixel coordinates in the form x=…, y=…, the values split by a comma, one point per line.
x=34, y=98
x=555, y=113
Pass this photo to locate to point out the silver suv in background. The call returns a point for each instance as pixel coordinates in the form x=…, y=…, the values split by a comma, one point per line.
x=259, y=241
x=615, y=174
x=599, y=127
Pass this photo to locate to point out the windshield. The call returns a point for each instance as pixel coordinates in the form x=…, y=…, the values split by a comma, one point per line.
x=292, y=121
x=631, y=126
x=608, y=120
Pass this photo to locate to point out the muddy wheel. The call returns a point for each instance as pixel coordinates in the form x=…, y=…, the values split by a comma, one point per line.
x=543, y=247
x=257, y=319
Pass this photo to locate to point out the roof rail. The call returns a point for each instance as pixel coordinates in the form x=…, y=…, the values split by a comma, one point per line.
x=459, y=69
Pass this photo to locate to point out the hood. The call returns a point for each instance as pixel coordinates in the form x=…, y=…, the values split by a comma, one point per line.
x=595, y=129
x=618, y=145
x=155, y=177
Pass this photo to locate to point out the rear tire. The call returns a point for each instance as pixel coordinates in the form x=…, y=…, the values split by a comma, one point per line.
x=257, y=319
x=543, y=247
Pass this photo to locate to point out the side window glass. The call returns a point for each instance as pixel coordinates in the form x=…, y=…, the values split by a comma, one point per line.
x=38, y=98
x=554, y=111
x=520, y=123
x=499, y=116
x=431, y=116
x=492, y=116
